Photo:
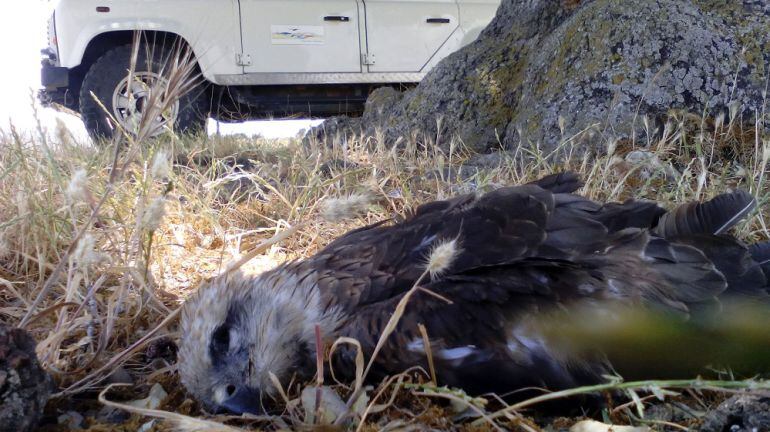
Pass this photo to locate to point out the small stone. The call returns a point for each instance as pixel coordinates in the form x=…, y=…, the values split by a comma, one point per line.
x=331, y=405
x=207, y=241
x=112, y=415
x=120, y=376
x=147, y=426
x=649, y=165
x=71, y=420
x=153, y=400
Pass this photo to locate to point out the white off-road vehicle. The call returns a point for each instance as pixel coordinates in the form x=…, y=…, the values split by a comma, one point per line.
x=257, y=58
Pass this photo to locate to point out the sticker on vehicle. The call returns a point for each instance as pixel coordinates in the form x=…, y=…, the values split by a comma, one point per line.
x=296, y=35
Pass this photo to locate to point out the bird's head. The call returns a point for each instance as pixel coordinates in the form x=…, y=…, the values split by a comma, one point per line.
x=238, y=330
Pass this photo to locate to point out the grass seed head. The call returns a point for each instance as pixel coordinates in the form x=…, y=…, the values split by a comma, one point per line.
x=339, y=209
x=84, y=249
x=441, y=257
x=85, y=253
x=5, y=248
x=153, y=215
x=21, y=199
x=161, y=168
x=77, y=190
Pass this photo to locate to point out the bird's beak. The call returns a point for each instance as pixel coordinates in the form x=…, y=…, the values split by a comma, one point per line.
x=244, y=400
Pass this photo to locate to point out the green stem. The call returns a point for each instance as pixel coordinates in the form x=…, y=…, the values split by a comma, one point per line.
x=633, y=385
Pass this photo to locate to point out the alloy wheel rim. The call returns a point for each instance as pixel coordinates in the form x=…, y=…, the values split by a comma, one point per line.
x=132, y=98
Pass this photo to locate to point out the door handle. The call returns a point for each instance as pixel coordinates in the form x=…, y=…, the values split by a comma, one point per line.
x=438, y=20
x=338, y=18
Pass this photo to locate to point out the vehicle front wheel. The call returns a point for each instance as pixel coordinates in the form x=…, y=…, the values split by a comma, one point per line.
x=109, y=95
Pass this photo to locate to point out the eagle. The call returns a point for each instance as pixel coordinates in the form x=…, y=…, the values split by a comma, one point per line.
x=522, y=253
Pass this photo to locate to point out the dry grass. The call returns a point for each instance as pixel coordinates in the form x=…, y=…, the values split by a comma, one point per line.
x=181, y=209
x=99, y=245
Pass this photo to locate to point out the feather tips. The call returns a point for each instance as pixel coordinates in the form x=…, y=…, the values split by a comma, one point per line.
x=760, y=252
x=563, y=182
x=715, y=216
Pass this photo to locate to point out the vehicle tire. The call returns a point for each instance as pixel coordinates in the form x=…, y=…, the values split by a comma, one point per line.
x=107, y=80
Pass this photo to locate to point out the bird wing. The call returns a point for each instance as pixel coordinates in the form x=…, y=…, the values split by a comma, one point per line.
x=504, y=226
x=381, y=261
x=525, y=253
x=487, y=334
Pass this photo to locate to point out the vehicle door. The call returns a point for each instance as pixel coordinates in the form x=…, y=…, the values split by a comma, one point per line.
x=403, y=35
x=301, y=36
x=475, y=15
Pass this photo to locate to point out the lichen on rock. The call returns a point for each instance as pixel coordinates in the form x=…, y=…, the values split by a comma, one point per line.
x=545, y=70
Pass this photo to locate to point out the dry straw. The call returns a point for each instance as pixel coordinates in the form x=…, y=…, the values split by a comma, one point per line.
x=179, y=422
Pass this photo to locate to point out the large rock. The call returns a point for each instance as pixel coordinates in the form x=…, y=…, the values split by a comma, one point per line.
x=548, y=69
x=24, y=385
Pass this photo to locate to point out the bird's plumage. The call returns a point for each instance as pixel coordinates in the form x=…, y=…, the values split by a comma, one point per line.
x=525, y=252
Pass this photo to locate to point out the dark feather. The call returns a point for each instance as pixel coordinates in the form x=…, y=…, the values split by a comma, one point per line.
x=743, y=274
x=760, y=252
x=579, y=224
x=563, y=182
x=692, y=275
x=715, y=216
x=572, y=233
x=630, y=214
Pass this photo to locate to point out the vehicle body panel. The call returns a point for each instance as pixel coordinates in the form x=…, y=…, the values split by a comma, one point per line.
x=403, y=35
x=319, y=78
x=211, y=27
x=301, y=36
x=474, y=17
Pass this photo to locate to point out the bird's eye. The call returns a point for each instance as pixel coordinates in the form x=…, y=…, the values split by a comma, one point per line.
x=221, y=338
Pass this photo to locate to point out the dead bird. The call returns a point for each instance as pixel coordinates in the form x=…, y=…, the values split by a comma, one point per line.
x=514, y=257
